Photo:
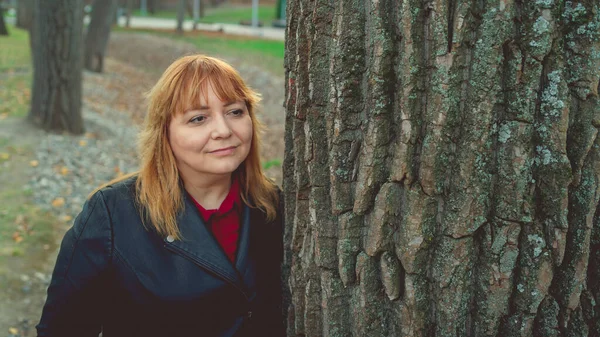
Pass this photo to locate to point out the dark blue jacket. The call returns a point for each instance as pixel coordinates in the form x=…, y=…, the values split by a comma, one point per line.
x=115, y=276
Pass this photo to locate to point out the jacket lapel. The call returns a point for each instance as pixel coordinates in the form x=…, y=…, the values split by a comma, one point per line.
x=244, y=241
x=199, y=245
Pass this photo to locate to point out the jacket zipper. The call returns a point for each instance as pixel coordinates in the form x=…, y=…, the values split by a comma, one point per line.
x=204, y=266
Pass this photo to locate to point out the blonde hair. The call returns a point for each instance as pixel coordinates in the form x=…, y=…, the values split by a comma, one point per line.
x=159, y=195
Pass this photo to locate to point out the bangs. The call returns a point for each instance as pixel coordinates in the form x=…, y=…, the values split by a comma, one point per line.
x=196, y=79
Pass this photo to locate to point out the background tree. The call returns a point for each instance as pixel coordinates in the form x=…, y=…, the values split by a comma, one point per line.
x=98, y=33
x=128, y=10
x=442, y=168
x=180, y=15
x=3, y=30
x=152, y=6
x=56, y=93
x=25, y=13
x=190, y=6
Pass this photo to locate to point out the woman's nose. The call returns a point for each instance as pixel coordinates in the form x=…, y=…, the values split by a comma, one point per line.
x=221, y=128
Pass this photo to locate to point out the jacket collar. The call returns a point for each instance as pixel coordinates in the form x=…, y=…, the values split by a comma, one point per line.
x=199, y=244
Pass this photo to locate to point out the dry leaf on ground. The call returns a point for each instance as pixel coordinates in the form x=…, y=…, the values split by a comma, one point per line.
x=58, y=202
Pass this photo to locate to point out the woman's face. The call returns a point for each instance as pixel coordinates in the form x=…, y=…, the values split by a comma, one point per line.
x=213, y=138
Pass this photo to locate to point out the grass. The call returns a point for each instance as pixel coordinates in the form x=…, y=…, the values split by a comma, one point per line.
x=15, y=52
x=268, y=53
x=27, y=233
x=15, y=73
x=243, y=46
x=15, y=94
x=223, y=14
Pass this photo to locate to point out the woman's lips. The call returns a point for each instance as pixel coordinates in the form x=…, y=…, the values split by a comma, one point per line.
x=224, y=151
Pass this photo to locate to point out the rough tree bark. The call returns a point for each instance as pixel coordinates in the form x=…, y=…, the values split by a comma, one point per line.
x=56, y=93
x=442, y=168
x=98, y=33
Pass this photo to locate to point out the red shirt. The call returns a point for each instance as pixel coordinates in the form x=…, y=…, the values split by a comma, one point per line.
x=224, y=222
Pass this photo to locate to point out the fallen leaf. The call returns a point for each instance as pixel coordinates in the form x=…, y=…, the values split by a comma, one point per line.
x=82, y=143
x=3, y=115
x=58, y=202
x=34, y=163
x=67, y=218
x=13, y=331
x=17, y=237
x=46, y=247
x=64, y=171
x=90, y=135
x=4, y=156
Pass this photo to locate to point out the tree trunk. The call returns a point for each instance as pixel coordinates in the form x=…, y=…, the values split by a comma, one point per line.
x=3, y=30
x=129, y=9
x=25, y=13
x=189, y=8
x=180, y=16
x=98, y=34
x=152, y=4
x=442, y=168
x=56, y=93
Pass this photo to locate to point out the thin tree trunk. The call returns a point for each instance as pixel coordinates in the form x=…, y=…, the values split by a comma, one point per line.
x=189, y=8
x=3, y=30
x=442, y=168
x=98, y=34
x=199, y=8
x=128, y=14
x=152, y=5
x=180, y=16
x=56, y=92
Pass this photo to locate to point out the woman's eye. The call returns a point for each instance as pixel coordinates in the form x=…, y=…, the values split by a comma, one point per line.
x=237, y=112
x=197, y=119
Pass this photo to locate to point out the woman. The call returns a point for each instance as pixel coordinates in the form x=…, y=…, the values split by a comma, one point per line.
x=191, y=245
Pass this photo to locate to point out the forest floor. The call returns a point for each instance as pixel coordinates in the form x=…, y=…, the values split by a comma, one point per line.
x=45, y=178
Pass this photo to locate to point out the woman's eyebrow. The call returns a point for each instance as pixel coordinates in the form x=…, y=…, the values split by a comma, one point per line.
x=206, y=107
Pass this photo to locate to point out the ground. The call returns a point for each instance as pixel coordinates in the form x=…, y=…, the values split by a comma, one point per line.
x=134, y=63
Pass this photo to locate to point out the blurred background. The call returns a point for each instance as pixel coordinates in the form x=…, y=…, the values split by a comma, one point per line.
x=46, y=175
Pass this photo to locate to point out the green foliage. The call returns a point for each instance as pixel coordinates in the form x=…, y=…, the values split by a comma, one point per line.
x=266, y=14
x=272, y=163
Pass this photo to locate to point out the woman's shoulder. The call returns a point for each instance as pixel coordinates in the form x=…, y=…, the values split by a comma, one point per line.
x=118, y=190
